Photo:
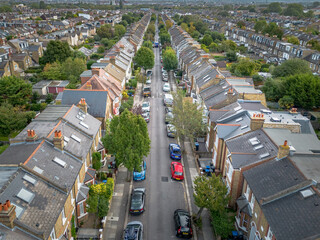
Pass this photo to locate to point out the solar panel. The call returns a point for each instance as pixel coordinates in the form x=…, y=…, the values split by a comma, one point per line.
x=25, y=195
x=29, y=179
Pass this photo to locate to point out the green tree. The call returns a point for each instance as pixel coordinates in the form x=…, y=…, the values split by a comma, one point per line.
x=42, y=5
x=293, y=40
x=273, y=89
x=89, y=63
x=119, y=30
x=227, y=45
x=56, y=51
x=72, y=69
x=241, y=24
x=274, y=7
x=245, y=67
x=144, y=58
x=14, y=91
x=100, y=49
x=286, y=102
x=187, y=117
x=293, y=9
x=207, y=39
x=53, y=71
x=304, y=89
x=291, y=67
x=195, y=35
x=210, y=193
x=49, y=98
x=165, y=38
x=96, y=160
x=170, y=60
x=105, y=31
x=222, y=223
x=128, y=139
x=232, y=56
x=147, y=44
x=13, y=119
x=260, y=25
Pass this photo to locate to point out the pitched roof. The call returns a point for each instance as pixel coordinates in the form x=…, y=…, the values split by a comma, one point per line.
x=95, y=108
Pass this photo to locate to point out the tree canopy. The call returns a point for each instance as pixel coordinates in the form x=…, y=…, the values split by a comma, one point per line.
x=187, y=117
x=147, y=44
x=210, y=193
x=274, y=7
x=144, y=58
x=291, y=67
x=293, y=40
x=293, y=9
x=128, y=140
x=170, y=60
x=245, y=67
x=56, y=51
x=14, y=91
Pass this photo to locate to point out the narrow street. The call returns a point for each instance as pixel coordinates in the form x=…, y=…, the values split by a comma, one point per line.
x=163, y=195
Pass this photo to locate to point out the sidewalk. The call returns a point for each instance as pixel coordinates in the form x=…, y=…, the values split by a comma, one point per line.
x=189, y=160
x=113, y=228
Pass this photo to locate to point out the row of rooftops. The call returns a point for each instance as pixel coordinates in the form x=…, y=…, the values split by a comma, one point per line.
x=287, y=189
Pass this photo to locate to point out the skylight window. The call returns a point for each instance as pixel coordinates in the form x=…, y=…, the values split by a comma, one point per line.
x=66, y=139
x=74, y=137
x=254, y=141
x=243, y=127
x=307, y=193
x=264, y=155
x=239, y=119
x=84, y=125
x=237, y=108
x=60, y=162
x=19, y=210
x=25, y=195
x=258, y=147
x=29, y=179
x=80, y=117
x=38, y=170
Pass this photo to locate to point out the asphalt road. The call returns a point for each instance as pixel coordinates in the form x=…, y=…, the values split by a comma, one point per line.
x=163, y=195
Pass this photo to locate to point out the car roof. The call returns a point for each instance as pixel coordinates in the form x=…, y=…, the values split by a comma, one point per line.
x=177, y=166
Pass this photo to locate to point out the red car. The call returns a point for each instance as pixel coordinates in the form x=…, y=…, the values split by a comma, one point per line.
x=177, y=171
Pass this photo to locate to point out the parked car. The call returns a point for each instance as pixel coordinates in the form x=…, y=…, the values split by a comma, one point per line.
x=147, y=91
x=166, y=87
x=171, y=131
x=133, y=231
x=182, y=221
x=168, y=117
x=137, y=201
x=175, y=151
x=141, y=175
x=148, y=82
x=177, y=171
x=146, y=116
x=165, y=78
x=149, y=73
x=146, y=107
x=168, y=99
x=168, y=109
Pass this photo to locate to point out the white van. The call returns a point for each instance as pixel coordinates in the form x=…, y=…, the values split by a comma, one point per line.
x=168, y=99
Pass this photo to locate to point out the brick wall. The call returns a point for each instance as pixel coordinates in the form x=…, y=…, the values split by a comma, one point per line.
x=293, y=127
x=255, y=96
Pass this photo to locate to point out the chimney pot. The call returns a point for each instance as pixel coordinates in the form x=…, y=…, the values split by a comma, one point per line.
x=5, y=207
x=29, y=132
x=8, y=203
x=285, y=143
x=0, y=207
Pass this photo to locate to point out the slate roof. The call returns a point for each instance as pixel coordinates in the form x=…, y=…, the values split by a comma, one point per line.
x=41, y=213
x=308, y=164
x=18, y=153
x=82, y=194
x=243, y=153
x=302, y=143
x=90, y=174
x=64, y=177
x=14, y=234
x=5, y=174
x=93, y=123
x=95, y=108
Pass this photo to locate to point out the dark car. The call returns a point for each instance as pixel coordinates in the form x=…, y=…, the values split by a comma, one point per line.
x=171, y=131
x=168, y=109
x=137, y=201
x=133, y=231
x=168, y=117
x=175, y=151
x=147, y=91
x=182, y=221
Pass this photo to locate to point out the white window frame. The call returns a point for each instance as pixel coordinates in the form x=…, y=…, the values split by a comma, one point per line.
x=53, y=234
x=252, y=202
x=81, y=204
x=72, y=198
x=269, y=234
x=247, y=193
x=63, y=215
x=78, y=182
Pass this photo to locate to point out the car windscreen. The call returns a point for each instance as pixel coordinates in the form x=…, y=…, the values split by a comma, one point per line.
x=176, y=151
x=145, y=105
x=178, y=173
x=146, y=89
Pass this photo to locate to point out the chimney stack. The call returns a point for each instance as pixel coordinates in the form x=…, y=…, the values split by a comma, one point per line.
x=283, y=150
x=95, y=71
x=83, y=105
x=257, y=121
x=58, y=140
x=32, y=136
x=7, y=214
x=294, y=111
x=112, y=59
